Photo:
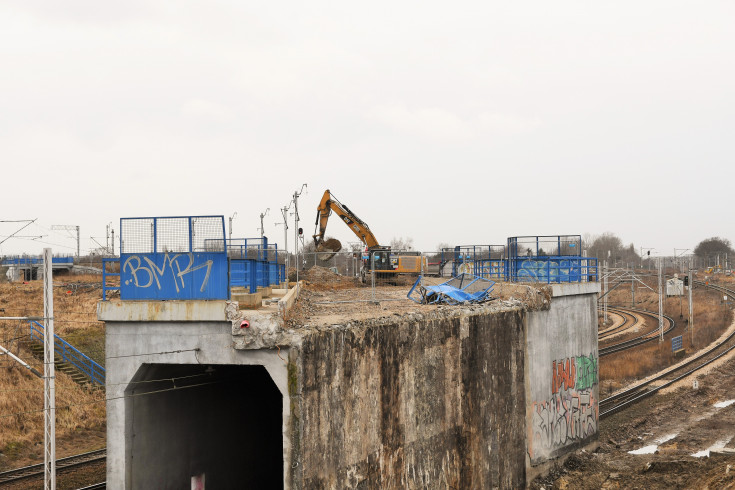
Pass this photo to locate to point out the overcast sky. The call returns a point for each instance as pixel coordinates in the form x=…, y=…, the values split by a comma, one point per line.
x=454, y=122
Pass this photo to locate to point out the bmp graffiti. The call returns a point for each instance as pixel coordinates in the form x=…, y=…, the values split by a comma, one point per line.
x=178, y=265
x=572, y=412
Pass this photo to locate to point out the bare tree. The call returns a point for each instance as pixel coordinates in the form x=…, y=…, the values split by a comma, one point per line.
x=401, y=243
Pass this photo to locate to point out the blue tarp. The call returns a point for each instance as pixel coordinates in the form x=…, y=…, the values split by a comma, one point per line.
x=464, y=288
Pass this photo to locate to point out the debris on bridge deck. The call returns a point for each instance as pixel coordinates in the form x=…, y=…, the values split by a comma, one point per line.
x=462, y=289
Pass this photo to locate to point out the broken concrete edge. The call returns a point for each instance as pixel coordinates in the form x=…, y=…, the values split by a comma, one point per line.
x=286, y=303
x=266, y=330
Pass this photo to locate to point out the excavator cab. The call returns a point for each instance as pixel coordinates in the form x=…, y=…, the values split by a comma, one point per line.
x=379, y=258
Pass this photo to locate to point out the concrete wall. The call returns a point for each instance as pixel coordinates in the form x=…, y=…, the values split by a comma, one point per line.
x=418, y=403
x=562, y=400
x=475, y=397
x=191, y=333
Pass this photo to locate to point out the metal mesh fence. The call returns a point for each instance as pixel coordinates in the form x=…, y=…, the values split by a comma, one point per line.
x=172, y=234
x=545, y=246
x=208, y=233
x=136, y=235
x=470, y=283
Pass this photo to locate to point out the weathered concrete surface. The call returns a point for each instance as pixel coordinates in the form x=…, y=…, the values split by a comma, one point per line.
x=132, y=346
x=562, y=397
x=422, y=402
x=161, y=311
x=450, y=397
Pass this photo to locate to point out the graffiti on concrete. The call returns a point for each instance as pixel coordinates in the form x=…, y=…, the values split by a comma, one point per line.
x=571, y=413
x=546, y=270
x=178, y=266
x=586, y=372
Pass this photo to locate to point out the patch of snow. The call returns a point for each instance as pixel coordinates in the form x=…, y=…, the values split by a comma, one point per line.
x=724, y=404
x=717, y=445
x=645, y=450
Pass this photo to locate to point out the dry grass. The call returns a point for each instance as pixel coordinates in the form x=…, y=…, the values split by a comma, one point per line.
x=711, y=318
x=21, y=393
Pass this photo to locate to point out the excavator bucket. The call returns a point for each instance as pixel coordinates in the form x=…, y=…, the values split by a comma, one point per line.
x=328, y=249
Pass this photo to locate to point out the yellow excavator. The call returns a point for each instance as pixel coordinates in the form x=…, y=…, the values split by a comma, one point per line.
x=383, y=262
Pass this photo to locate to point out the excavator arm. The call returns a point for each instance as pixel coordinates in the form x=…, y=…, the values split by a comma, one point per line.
x=328, y=205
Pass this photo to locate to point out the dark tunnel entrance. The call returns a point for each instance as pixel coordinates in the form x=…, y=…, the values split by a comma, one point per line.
x=220, y=421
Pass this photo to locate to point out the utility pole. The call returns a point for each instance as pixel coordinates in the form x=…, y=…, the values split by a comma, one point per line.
x=660, y=301
x=230, y=227
x=296, y=196
x=691, y=309
x=49, y=376
x=69, y=228
x=284, y=212
x=263, y=215
x=113, y=241
x=605, y=286
x=632, y=289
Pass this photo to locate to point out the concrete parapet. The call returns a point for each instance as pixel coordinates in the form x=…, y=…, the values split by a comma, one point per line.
x=285, y=303
x=265, y=291
x=248, y=301
x=161, y=311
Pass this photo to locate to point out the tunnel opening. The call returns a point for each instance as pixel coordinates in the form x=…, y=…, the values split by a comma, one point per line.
x=204, y=426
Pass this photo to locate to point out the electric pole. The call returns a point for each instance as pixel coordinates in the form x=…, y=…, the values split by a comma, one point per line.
x=49, y=376
x=691, y=309
x=263, y=215
x=296, y=196
x=284, y=212
x=660, y=301
x=230, y=227
x=605, y=286
x=69, y=228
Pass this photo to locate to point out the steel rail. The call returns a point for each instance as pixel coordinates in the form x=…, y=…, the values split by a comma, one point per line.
x=642, y=339
x=61, y=464
x=626, y=316
x=632, y=395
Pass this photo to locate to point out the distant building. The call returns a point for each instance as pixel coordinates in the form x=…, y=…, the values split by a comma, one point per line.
x=674, y=287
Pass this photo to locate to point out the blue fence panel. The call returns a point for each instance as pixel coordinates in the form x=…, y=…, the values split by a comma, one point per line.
x=272, y=273
x=174, y=276
x=490, y=269
x=261, y=273
x=282, y=272
x=105, y=275
x=69, y=353
x=20, y=261
x=557, y=269
x=243, y=273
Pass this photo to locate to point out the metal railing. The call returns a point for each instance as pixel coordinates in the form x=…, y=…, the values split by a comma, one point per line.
x=106, y=274
x=69, y=353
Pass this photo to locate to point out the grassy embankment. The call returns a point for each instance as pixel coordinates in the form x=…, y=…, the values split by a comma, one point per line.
x=79, y=408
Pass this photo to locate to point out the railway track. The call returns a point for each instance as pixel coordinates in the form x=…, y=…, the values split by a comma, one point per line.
x=641, y=339
x=62, y=464
x=625, y=398
x=629, y=321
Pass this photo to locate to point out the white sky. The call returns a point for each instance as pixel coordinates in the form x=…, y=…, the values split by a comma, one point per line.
x=463, y=122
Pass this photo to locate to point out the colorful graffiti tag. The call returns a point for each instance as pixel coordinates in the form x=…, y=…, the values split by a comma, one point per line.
x=572, y=412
